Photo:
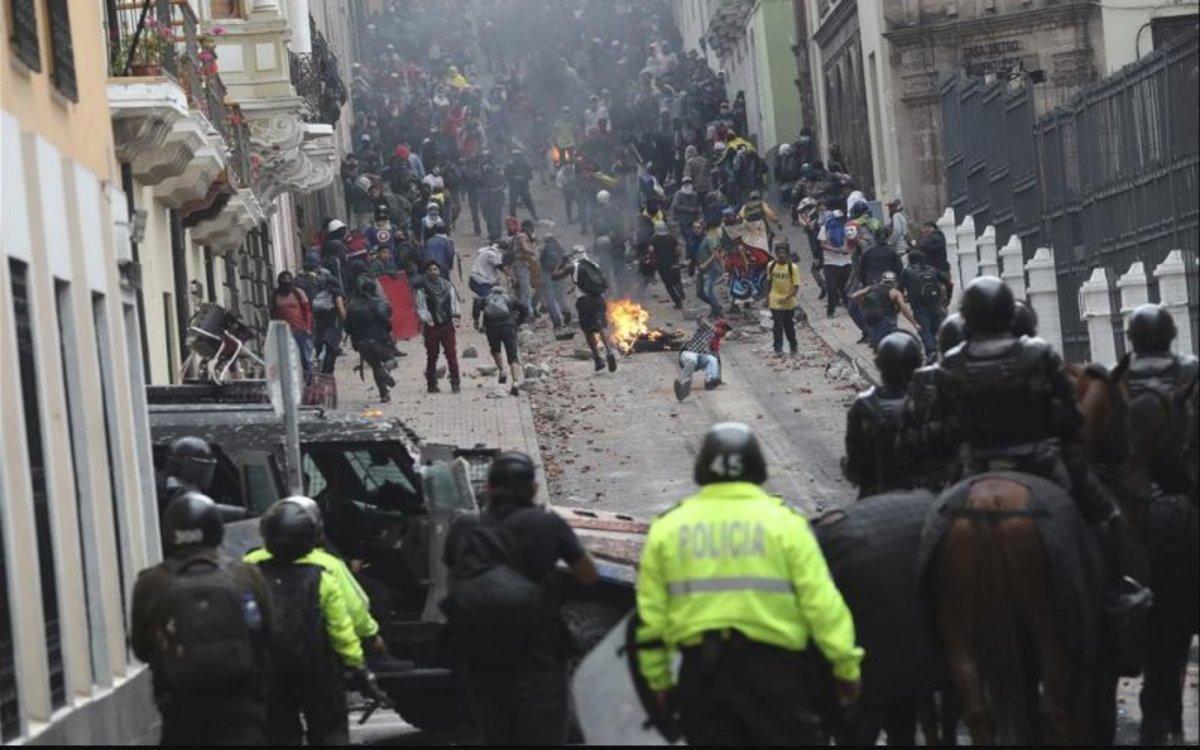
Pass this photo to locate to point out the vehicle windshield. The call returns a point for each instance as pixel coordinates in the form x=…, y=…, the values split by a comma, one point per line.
x=373, y=476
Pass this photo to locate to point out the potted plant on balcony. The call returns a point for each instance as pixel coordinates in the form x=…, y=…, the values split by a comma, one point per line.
x=155, y=42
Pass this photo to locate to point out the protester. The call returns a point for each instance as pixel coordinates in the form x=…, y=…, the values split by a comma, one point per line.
x=504, y=611
x=782, y=298
x=880, y=304
x=439, y=248
x=701, y=352
x=204, y=624
x=291, y=305
x=499, y=316
x=590, y=305
x=518, y=174
x=664, y=249
x=369, y=324
x=438, y=308
x=527, y=267
x=550, y=293
x=710, y=266
x=927, y=289
x=836, y=261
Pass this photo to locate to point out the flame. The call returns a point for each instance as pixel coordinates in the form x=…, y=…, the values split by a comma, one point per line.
x=628, y=321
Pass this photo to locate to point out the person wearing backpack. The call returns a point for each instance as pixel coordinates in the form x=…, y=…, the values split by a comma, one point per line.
x=313, y=637
x=369, y=323
x=836, y=261
x=438, y=308
x=880, y=304
x=551, y=291
x=926, y=287
x=203, y=623
x=590, y=305
x=784, y=277
x=503, y=608
x=500, y=315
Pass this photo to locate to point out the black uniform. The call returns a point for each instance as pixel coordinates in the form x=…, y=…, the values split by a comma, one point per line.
x=872, y=461
x=369, y=323
x=921, y=441
x=233, y=715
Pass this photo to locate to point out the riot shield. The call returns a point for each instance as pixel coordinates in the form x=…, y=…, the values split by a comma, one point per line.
x=613, y=704
x=448, y=495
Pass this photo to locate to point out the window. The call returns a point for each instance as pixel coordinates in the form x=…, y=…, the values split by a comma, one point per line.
x=24, y=35
x=85, y=518
x=37, y=477
x=260, y=481
x=62, y=56
x=107, y=388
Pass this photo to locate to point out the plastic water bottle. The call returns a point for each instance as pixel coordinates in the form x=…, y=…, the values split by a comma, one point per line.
x=251, y=613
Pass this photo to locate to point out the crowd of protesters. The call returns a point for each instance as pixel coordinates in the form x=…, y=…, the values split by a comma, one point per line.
x=652, y=161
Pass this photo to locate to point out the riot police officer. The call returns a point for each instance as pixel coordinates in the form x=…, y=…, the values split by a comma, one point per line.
x=918, y=440
x=1153, y=367
x=190, y=465
x=1025, y=320
x=202, y=622
x=872, y=462
x=734, y=579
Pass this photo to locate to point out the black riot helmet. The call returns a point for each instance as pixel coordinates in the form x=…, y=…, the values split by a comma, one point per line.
x=288, y=530
x=951, y=333
x=511, y=479
x=311, y=508
x=191, y=520
x=1025, y=320
x=988, y=305
x=191, y=462
x=897, y=355
x=730, y=453
x=1151, y=329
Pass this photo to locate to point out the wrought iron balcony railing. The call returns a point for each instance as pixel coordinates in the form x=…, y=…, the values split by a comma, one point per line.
x=317, y=81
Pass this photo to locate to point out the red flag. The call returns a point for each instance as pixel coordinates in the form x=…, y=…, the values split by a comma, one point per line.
x=399, y=295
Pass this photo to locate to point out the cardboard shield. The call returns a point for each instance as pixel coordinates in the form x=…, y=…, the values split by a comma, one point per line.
x=612, y=701
x=399, y=296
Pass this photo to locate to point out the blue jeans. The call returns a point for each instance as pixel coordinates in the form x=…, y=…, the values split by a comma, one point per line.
x=706, y=290
x=524, y=287
x=710, y=364
x=552, y=297
x=304, y=343
x=929, y=319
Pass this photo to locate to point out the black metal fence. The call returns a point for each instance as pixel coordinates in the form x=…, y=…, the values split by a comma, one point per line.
x=1107, y=180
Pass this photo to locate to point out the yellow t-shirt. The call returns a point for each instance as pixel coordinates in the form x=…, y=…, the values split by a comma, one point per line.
x=785, y=278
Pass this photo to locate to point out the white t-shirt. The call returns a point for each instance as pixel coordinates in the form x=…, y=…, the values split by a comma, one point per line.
x=838, y=257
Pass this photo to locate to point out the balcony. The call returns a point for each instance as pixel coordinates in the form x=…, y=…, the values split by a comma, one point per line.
x=171, y=118
x=317, y=81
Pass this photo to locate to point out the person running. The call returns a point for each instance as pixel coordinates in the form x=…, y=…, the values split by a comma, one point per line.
x=499, y=316
x=925, y=288
x=291, y=305
x=590, y=306
x=710, y=265
x=784, y=276
x=369, y=323
x=665, y=252
x=836, y=261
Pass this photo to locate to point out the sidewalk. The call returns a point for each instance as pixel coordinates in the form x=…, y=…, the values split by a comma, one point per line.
x=484, y=413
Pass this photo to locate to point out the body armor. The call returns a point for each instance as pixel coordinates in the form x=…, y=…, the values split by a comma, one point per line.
x=872, y=461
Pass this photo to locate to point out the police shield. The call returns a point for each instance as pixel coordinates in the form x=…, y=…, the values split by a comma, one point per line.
x=613, y=704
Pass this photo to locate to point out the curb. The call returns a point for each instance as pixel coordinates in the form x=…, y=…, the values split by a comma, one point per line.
x=863, y=368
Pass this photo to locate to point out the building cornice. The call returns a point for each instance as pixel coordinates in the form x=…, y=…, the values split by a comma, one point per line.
x=1065, y=13
x=833, y=22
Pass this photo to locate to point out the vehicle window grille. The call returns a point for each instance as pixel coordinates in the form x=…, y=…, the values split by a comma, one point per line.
x=19, y=272
x=62, y=56
x=24, y=35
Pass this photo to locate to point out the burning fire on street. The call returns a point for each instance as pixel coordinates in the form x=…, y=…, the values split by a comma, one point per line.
x=629, y=323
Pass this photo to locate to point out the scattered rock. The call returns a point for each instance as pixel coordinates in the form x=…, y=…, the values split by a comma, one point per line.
x=486, y=370
x=441, y=372
x=583, y=354
x=470, y=353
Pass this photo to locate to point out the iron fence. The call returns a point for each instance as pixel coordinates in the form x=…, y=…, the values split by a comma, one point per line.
x=1107, y=180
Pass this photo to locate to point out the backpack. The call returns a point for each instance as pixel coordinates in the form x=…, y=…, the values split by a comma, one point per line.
x=322, y=302
x=875, y=302
x=495, y=613
x=791, y=270
x=925, y=286
x=835, y=230
x=204, y=642
x=495, y=308
x=300, y=647
x=589, y=278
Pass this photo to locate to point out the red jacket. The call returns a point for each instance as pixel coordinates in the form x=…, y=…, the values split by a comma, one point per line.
x=294, y=309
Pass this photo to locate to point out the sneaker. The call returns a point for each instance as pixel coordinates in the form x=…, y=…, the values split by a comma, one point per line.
x=600, y=363
x=711, y=384
x=612, y=363
x=503, y=377
x=432, y=388
x=514, y=390
x=385, y=398
x=682, y=388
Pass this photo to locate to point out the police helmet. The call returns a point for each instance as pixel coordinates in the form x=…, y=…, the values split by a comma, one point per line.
x=1025, y=320
x=951, y=333
x=511, y=478
x=1151, y=329
x=191, y=461
x=988, y=305
x=191, y=519
x=603, y=197
x=897, y=355
x=730, y=453
x=288, y=530
x=310, y=507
